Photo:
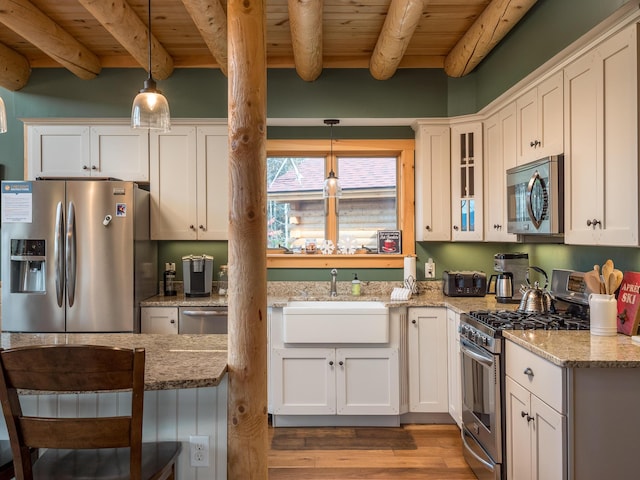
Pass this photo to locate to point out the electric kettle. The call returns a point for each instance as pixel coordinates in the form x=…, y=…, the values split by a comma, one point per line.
x=503, y=287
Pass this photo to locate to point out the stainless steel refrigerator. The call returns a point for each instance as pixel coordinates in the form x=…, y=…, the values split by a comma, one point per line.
x=76, y=256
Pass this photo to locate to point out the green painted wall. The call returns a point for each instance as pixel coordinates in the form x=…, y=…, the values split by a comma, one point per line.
x=194, y=93
x=548, y=28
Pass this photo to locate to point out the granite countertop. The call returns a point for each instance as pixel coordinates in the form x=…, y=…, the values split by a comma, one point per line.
x=427, y=298
x=172, y=361
x=181, y=300
x=578, y=349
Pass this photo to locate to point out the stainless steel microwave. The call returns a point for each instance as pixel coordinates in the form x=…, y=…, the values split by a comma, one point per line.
x=535, y=197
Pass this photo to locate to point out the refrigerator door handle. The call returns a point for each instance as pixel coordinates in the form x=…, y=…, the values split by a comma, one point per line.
x=58, y=252
x=71, y=254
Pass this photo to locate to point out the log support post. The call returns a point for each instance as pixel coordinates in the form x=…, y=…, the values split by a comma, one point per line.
x=247, y=357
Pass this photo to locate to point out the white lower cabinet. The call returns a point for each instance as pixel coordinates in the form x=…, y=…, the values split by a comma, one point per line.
x=536, y=436
x=454, y=368
x=159, y=320
x=427, y=350
x=335, y=383
x=329, y=381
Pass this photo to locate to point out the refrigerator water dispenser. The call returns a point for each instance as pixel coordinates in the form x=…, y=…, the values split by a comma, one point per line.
x=28, y=266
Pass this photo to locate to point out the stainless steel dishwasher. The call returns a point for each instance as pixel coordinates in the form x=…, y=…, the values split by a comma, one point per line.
x=202, y=320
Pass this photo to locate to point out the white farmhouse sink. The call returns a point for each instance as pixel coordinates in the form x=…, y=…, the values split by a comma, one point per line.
x=335, y=322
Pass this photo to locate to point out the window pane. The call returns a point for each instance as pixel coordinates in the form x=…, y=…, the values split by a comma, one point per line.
x=369, y=199
x=295, y=207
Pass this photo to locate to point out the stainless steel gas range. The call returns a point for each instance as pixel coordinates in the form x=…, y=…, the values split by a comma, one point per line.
x=483, y=368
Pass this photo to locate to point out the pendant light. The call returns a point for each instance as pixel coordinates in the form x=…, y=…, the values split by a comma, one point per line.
x=150, y=108
x=332, y=188
x=3, y=117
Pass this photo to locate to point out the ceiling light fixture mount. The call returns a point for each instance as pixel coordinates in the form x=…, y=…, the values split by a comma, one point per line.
x=150, y=107
x=332, y=187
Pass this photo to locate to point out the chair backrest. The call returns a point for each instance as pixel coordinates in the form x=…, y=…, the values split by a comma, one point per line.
x=77, y=369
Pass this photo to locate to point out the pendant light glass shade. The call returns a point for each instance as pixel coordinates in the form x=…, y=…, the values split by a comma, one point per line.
x=332, y=187
x=150, y=107
x=3, y=117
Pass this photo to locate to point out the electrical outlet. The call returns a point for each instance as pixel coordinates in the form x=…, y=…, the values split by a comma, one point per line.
x=430, y=269
x=199, y=450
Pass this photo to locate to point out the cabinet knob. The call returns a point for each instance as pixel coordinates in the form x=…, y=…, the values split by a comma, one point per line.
x=84, y=167
x=414, y=321
x=331, y=363
x=192, y=227
x=428, y=228
x=593, y=222
x=527, y=416
x=341, y=363
x=455, y=227
x=528, y=372
x=93, y=167
x=172, y=321
x=201, y=227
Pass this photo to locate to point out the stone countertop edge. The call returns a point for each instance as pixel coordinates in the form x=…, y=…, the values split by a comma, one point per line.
x=578, y=349
x=172, y=361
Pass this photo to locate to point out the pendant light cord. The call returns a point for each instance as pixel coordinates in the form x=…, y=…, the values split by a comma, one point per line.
x=149, y=35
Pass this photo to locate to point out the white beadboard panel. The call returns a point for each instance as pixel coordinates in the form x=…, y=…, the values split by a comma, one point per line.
x=168, y=415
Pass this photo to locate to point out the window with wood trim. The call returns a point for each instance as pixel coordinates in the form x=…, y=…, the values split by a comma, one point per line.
x=306, y=230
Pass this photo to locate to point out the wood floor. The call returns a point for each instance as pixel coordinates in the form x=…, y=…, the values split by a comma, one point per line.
x=438, y=456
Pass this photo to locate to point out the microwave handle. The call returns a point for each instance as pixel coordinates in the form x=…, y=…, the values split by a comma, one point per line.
x=532, y=181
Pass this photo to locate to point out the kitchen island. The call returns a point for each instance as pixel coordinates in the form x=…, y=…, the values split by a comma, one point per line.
x=185, y=391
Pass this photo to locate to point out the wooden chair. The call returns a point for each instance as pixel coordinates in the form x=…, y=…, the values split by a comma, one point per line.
x=80, y=448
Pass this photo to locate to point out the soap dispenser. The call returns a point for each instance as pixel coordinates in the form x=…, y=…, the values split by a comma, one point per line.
x=355, y=286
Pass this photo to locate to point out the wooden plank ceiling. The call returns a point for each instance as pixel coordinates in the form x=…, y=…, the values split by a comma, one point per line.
x=85, y=36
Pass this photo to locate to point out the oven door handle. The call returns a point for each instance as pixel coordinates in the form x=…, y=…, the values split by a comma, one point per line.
x=468, y=448
x=468, y=349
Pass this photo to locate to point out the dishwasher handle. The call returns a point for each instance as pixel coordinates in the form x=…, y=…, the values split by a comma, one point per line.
x=204, y=313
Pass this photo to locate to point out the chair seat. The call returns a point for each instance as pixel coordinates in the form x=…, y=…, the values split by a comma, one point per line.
x=104, y=464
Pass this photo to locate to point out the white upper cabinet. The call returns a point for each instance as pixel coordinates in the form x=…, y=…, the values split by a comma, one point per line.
x=499, y=156
x=115, y=151
x=189, y=183
x=466, y=182
x=539, y=120
x=601, y=140
x=433, y=183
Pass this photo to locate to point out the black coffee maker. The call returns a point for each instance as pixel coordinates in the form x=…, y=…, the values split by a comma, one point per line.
x=197, y=271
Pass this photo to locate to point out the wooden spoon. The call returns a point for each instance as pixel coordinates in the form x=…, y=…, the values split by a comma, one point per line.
x=611, y=284
x=618, y=279
x=596, y=270
x=592, y=279
x=607, y=270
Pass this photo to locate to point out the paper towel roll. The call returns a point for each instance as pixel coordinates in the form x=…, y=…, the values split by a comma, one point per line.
x=410, y=268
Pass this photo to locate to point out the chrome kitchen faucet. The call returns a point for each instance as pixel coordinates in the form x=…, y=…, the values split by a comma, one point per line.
x=334, y=283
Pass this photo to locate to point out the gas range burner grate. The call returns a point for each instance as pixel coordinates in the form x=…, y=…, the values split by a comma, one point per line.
x=514, y=320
